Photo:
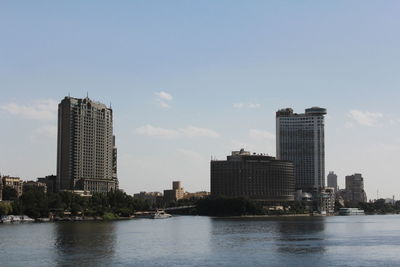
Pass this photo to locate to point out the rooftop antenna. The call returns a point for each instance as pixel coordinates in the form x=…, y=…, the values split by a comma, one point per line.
x=110, y=105
x=87, y=94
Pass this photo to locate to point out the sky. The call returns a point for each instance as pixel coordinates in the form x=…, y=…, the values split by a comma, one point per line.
x=191, y=80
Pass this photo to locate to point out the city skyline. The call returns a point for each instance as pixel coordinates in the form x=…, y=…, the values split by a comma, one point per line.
x=179, y=97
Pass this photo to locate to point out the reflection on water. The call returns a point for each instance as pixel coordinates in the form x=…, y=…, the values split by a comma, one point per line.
x=204, y=241
x=301, y=236
x=287, y=234
x=86, y=243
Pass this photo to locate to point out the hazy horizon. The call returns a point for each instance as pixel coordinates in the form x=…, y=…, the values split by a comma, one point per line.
x=189, y=80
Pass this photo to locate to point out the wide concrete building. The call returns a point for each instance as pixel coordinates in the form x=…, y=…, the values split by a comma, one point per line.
x=254, y=176
x=300, y=138
x=355, y=189
x=86, y=157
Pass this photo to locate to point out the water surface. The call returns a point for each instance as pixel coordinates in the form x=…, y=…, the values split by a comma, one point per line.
x=205, y=241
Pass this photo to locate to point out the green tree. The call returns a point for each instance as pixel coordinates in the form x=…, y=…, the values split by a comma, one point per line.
x=9, y=193
x=5, y=208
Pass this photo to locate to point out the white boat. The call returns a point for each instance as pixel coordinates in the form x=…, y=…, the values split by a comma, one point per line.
x=15, y=218
x=5, y=219
x=350, y=211
x=25, y=218
x=160, y=214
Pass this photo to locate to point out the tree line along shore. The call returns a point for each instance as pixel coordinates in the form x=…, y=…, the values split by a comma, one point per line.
x=119, y=205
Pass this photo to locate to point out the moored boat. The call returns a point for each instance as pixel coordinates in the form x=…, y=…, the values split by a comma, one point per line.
x=351, y=211
x=25, y=218
x=160, y=214
x=5, y=219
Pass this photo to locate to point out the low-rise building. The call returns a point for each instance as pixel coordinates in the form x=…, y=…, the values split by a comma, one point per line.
x=197, y=195
x=153, y=198
x=50, y=182
x=13, y=182
x=176, y=193
x=326, y=201
x=29, y=185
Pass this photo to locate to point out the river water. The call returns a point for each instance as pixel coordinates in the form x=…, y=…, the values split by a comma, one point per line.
x=205, y=241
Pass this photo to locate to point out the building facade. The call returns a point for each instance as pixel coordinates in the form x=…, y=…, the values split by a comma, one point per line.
x=257, y=177
x=176, y=193
x=29, y=185
x=300, y=138
x=326, y=199
x=355, y=189
x=85, y=157
x=332, y=181
x=50, y=182
x=13, y=182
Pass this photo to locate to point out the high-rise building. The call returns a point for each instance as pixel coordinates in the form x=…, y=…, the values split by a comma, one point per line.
x=85, y=157
x=355, y=189
x=332, y=181
x=300, y=139
x=254, y=176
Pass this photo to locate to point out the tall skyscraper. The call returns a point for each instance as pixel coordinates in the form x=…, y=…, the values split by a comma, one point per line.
x=86, y=156
x=355, y=189
x=300, y=139
x=332, y=181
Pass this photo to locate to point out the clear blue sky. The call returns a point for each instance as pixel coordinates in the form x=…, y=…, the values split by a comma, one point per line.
x=225, y=67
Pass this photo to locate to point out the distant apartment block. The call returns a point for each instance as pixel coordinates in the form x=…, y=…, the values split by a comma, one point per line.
x=326, y=200
x=176, y=193
x=254, y=176
x=50, y=182
x=13, y=182
x=29, y=185
x=332, y=181
x=197, y=195
x=300, y=138
x=86, y=157
x=355, y=189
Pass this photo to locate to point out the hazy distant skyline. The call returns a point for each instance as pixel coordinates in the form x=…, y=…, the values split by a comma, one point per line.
x=188, y=80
